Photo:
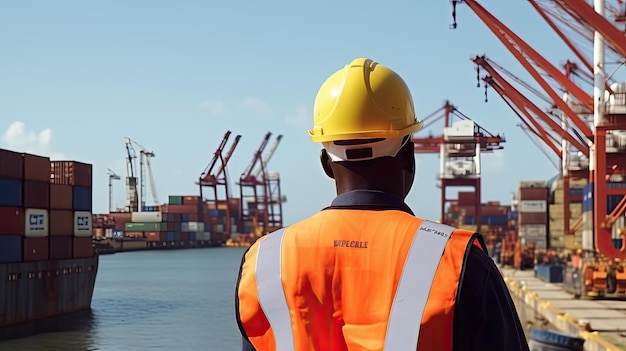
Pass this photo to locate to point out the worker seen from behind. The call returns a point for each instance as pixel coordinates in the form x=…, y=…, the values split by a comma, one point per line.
x=365, y=273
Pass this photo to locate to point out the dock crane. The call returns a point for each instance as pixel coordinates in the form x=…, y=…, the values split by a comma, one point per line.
x=609, y=111
x=214, y=179
x=460, y=148
x=260, y=194
x=112, y=176
x=144, y=168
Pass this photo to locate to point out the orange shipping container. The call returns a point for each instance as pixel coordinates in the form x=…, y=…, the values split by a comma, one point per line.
x=36, y=168
x=71, y=173
x=83, y=247
x=191, y=200
x=61, y=223
x=156, y=236
x=98, y=232
x=60, y=197
x=36, y=249
x=135, y=234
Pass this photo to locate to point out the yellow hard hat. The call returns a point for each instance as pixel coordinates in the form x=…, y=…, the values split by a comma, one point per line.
x=363, y=100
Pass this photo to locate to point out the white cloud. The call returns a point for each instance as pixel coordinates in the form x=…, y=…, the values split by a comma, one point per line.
x=214, y=107
x=259, y=106
x=18, y=138
x=302, y=118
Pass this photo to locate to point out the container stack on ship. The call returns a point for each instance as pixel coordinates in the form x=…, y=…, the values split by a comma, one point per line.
x=45, y=237
x=558, y=239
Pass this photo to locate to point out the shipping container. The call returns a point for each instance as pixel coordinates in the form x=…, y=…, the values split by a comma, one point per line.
x=191, y=200
x=36, y=194
x=533, y=218
x=71, y=173
x=36, y=168
x=97, y=232
x=108, y=233
x=533, y=206
x=146, y=227
x=81, y=198
x=180, y=208
x=533, y=194
x=171, y=236
x=512, y=215
x=10, y=248
x=12, y=221
x=525, y=184
x=61, y=247
x=82, y=224
x=35, y=249
x=10, y=192
x=83, y=247
x=612, y=200
x=36, y=222
x=147, y=217
x=61, y=197
x=134, y=234
x=192, y=227
x=156, y=236
x=175, y=200
x=533, y=231
x=11, y=164
x=184, y=236
x=61, y=223
x=118, y=233
x=192, y=236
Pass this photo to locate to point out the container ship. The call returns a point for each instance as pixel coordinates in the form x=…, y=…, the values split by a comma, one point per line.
x=47, y=260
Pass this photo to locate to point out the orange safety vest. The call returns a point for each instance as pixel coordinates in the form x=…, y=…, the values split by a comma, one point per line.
x=353, y=280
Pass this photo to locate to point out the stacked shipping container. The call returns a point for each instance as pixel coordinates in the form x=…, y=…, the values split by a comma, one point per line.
x=558, y=237
x=43, y=216
x=587, y=208
x=533, y=213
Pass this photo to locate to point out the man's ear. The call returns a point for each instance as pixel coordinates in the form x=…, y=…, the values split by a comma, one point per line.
x=325, y=160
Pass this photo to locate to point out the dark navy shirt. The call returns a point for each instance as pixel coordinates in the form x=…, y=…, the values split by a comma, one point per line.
x=485, y=318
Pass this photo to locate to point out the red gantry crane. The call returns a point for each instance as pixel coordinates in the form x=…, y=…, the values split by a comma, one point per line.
x=261, y=199
x=219, y=178
x=460, y=148
x=609, y=116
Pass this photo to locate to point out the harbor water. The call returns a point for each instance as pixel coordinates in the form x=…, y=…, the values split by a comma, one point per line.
x=148, y=300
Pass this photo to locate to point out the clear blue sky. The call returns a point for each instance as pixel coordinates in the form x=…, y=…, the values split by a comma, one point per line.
x=174, y=76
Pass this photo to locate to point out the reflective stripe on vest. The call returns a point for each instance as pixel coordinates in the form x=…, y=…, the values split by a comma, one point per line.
x=270, y=289
x=409, y=302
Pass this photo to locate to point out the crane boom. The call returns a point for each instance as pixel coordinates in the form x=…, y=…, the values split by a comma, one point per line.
x=268, y=156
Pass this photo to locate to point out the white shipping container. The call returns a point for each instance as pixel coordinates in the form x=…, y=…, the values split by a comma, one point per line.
x=146, y=217
x=540, y=244
x=533, y=230
x=218, y=228
x=533, y=206
x=196, y=226
x=82, y=223
x=108, y=233
x=36, y=223
x=203, y=236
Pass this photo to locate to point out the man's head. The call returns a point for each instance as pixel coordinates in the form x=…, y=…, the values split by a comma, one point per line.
x=364, y=118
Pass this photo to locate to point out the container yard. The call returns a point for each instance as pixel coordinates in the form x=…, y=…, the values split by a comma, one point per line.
x=45, y=237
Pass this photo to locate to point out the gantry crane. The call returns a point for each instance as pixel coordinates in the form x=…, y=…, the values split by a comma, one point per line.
x=608, y=106
x=213, y=179
x=460, y=148
x=112, y=176
x=261, y=198
x=137, y=197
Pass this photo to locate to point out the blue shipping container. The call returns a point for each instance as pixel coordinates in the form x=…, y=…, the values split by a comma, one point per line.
x=10, y=249
x=10, y=192
x=214, y=213
x=192, y=236
x=82, y=198
x=170, y=236
x=513, y=215
x=493, y=220
x=118, y=233
x=184, y=217
x=469, y=220
x=611, y=201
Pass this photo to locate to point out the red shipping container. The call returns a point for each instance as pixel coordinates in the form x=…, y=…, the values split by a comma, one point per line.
x=191, y=200
x=134, y=234
x=180, y=208
x=533, y=218
x=35, y=249
x=466, y=198
x=184, y=236
x=60, y=197
x=171, y=226
x=11, y=165
x=71, y=173
x=83, y=247
x=156, y=236
x=467, y=210
x=493, y=211
x=36, y=194
x=12, y=221
x=36, y=168
x=61, y=247
x=194, y=217
x=61, y=223
x=533, y=194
